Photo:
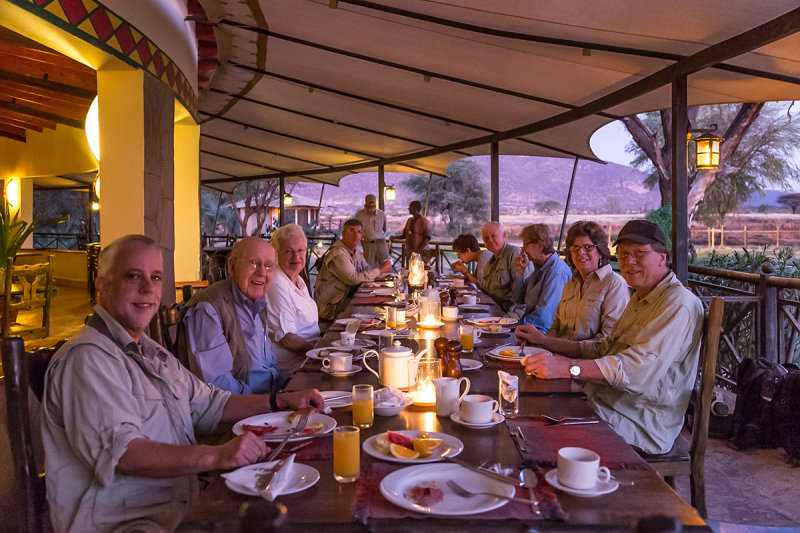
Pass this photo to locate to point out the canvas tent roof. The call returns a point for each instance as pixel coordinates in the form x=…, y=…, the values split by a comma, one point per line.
x=304, y=88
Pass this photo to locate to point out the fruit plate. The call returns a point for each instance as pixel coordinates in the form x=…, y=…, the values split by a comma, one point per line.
x=450, y=446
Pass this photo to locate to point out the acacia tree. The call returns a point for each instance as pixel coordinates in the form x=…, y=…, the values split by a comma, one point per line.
x=257, y=196
x=758, y=143
x=791, y=200
x=461, y=199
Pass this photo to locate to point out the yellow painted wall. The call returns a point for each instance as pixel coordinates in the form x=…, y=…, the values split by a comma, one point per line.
x=187, y=196
x=49, y=153
x=121, y=108
x=69, y=265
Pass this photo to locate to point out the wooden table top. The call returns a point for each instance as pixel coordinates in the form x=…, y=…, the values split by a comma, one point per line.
x=327, y=505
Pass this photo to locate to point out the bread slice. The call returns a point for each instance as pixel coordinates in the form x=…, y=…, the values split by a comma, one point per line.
x=300, y=412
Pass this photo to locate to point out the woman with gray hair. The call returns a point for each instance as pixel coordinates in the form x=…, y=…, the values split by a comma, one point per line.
x=292, y=315
x=592, y=300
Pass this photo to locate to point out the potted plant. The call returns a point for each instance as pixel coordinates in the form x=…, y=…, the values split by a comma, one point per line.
x=13, y=234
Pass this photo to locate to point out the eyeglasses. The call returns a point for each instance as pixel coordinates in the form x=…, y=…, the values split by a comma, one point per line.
x=586, y=248
x=637, y=254
x=252, y=264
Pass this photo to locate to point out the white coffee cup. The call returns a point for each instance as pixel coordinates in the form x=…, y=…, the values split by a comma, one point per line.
x=477, y=408
x=470, y=299
x=449, y=313
x=400, y=316
x=580, y=468
x=348, y=339
x=447, y=396
x=338, y=362
x=458, y=282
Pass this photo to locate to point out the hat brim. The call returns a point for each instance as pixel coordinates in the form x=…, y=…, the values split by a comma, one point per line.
x=638, y=239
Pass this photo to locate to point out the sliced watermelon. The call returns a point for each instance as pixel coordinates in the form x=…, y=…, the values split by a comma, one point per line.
x=400, y=439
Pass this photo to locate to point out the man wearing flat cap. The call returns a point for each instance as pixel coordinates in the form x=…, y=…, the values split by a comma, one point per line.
x=640, y=377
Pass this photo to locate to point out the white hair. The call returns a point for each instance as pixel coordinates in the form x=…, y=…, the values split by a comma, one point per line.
x=105, y=263
x=491, y=224
x=282, y=235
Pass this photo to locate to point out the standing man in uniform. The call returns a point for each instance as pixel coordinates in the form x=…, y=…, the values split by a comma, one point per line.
x=373, y=242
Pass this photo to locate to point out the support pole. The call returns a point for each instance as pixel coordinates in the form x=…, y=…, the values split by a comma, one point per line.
x=569, y=198
x=280, y=202
x=428, y=195
x=680, y=181
x=381, y=189
x=495, y=181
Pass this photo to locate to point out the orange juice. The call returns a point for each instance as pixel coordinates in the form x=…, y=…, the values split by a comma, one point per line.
x=346, y=454
x=362, y=412
x=467, y=341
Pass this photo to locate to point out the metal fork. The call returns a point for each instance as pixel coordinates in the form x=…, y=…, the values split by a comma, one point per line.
x=301, y=425
x=464, y=493
x=562, y=419
x=522, y=348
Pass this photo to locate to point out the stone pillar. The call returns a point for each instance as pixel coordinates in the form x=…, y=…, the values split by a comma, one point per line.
x=136, y=162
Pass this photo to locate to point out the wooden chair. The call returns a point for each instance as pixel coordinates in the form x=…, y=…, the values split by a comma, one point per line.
x=37, y=285
x=687, y=458
x=24, y=372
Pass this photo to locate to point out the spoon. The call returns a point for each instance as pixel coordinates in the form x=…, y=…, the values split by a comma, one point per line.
x=529, y=480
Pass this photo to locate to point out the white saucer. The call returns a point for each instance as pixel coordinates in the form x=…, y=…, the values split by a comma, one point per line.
x=360, y=343
x=602, y=487
x=496, y=419
x=353, y=370
x=446, y=319
x=470, y=364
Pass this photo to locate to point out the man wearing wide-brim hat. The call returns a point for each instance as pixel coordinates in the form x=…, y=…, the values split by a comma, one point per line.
x=640, y=377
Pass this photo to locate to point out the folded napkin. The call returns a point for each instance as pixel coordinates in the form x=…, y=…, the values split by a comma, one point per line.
x=280, y=480
x=389, y=396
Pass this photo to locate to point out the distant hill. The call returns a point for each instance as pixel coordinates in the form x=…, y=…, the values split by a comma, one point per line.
x=769, y=198
x=524, y=182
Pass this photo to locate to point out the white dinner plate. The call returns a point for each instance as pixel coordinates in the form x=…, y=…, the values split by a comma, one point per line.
x=339, y=373
x=281, y=420
x=362, y=322
x=495, y=352
x=493, y=321
x=397, y=334
x=243, y=480
x=470, y=364
x=340, y=402
x=366, y=316
x=450, y=445
x=327, y=350
x=360, y=344
x=501, y=331
x=380, y=291
x=396, y=485
x=430, y=325
x=602, y=487
x=474, y=308
x=496, y=419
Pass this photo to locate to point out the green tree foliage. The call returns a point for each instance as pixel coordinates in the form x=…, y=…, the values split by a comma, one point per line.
x=791, y=200
x=662, y=217
x=461, y=199
x=756, y=154
x=227, y=222
x=547, y=206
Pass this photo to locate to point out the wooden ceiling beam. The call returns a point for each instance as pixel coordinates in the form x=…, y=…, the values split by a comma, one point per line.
x=44, y=104
x=79, y=83
x=15, y=119
x=24, y=91
x=68, y=121
x=12, y=132
x=44, y=123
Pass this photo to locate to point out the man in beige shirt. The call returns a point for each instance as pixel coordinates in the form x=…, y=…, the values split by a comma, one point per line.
x=373, y=241
x=638, y=378
x=342, y=270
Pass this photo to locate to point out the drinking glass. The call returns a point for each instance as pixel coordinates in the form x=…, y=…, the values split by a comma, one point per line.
x=346, y=453
x=363, y=414
x=391, y=317
x=466, y=335
x=509, y=395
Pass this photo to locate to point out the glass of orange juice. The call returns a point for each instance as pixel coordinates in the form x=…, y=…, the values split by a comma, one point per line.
x=466, y=335
x=346, y=453
x=391, y=317
x=362, y=406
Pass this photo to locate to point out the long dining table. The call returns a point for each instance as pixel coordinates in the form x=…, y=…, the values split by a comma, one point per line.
x=359, y=506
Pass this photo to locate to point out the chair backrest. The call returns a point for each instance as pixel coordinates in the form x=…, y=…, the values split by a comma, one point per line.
x=29, y=486
x=36, y=283
x=702, y=414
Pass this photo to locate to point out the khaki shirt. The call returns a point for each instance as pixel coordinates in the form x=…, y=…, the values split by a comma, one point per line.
x=650, y=363
x=373, y=224
x=589, y=312
x=98, y=398
x=498, y=276
x=341, y=271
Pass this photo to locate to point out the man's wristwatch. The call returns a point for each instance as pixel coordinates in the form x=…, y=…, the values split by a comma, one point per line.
x=574, y=369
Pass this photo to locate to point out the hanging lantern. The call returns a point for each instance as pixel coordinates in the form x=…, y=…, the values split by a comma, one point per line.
x=389, y=193
x=12, y=193
x=92, y=129
x=287, y=199
x=707, y=151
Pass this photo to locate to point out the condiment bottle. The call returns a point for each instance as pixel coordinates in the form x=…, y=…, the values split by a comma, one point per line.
x=453, y=369
x=440, y=345
x=444, y=297
x=453, y=295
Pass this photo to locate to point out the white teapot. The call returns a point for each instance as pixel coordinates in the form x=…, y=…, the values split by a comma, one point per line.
x=397, y=366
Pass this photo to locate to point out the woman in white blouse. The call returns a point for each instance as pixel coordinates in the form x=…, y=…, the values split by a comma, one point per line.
x=292, y=315
x=592, y=300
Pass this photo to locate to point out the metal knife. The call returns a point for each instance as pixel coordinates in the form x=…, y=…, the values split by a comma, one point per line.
x=269, y=477
x=485, y=472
